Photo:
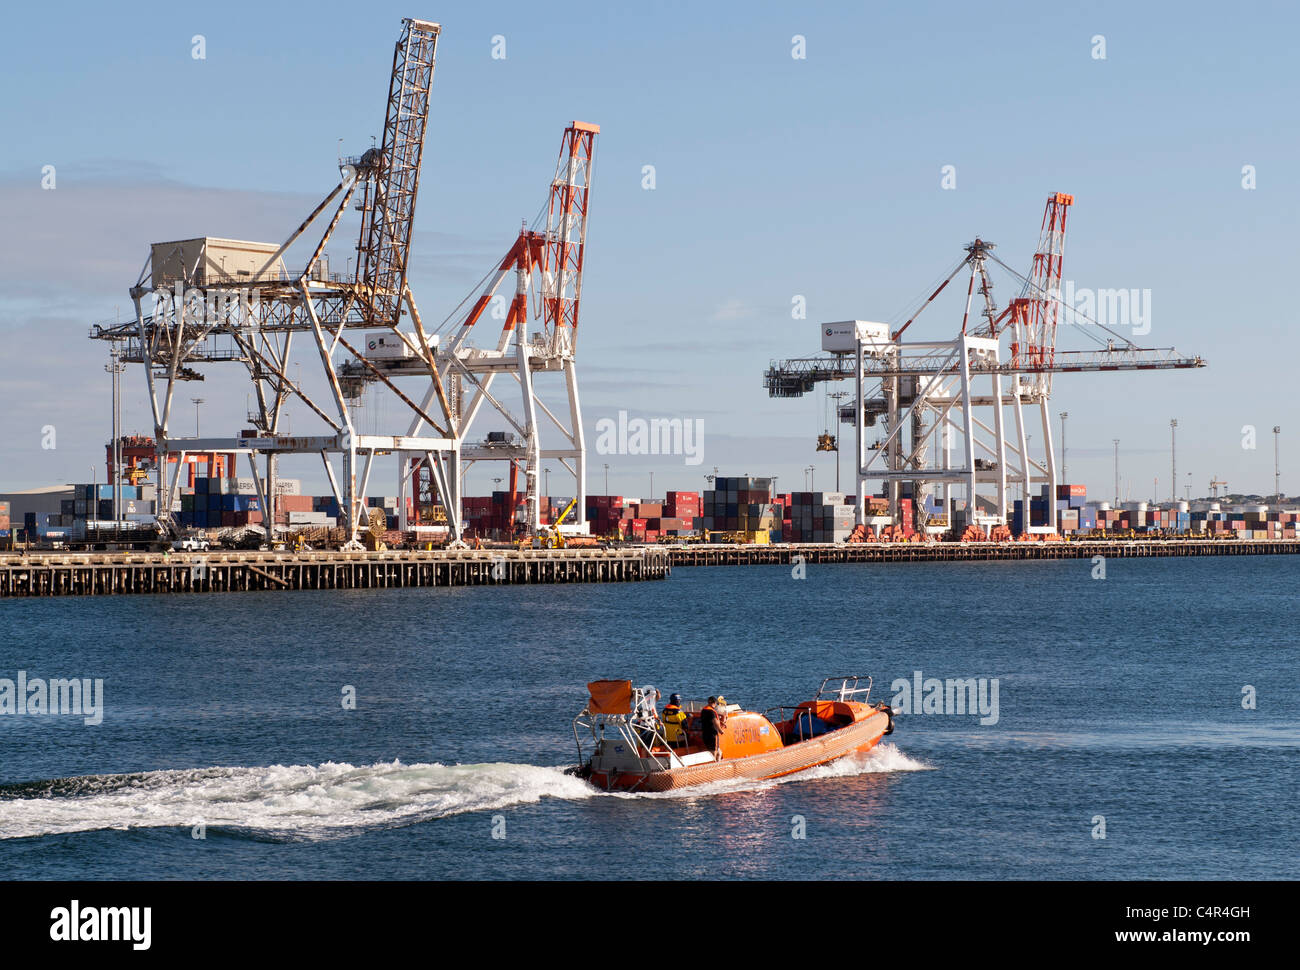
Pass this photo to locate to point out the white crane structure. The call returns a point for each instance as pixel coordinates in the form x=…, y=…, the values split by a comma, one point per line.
x=946, y=396
x=208, y=300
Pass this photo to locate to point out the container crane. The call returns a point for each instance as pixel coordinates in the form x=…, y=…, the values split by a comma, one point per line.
x=219, y=300
x=928, y=388
x=546, y=261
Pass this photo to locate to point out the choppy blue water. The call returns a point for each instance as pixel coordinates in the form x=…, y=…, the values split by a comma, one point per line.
x=1118, y=699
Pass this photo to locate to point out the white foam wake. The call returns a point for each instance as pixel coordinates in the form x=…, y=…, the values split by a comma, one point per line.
x=884, y=757
x=330, y=800
x=296, y=801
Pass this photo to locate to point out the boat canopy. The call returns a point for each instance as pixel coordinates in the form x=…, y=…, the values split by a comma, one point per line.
x=610, y=697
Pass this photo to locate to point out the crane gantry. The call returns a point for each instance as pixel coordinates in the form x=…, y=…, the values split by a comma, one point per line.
x=208, y=300
x=934, y=388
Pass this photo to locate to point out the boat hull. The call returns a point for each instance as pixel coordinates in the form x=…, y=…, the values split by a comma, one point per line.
x=643, y=775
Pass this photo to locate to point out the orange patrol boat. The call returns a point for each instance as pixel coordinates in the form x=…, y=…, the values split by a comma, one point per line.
x=627, y=749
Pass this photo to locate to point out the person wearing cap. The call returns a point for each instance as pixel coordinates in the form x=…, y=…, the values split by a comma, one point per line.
x=674, y=721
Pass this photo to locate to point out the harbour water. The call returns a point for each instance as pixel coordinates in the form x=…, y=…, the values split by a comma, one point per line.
x=1156, y=707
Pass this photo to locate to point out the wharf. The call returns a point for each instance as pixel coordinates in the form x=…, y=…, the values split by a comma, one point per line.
x=769, y=555
x=117, y=573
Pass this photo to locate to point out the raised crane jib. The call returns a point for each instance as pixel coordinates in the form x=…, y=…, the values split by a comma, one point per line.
x=566, y=233
x=392, y=174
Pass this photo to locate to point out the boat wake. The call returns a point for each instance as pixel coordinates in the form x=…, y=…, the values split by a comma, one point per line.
x=305, y=803
x=291, y=803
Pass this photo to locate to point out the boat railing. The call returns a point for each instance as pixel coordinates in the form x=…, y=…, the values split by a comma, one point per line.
x=794, y=714
x=848, y=689
x=637, y=728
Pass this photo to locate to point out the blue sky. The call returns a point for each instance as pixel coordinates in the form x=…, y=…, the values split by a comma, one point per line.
x=775, y=177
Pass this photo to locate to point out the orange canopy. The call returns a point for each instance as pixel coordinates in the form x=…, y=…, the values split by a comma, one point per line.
x=610, y=697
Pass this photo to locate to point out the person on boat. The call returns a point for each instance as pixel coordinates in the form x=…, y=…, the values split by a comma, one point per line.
x=710, y=727
x=674, y=721
x=652, y=706
x=648, y=715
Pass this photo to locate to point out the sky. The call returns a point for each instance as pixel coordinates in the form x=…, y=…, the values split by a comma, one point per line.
x=848, y=179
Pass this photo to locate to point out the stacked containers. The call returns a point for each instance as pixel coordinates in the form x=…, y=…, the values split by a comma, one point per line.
x=745, y=506
x=820, y=517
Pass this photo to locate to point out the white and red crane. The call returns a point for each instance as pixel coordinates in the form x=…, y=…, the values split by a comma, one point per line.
x=207, y=300
x=931, y=394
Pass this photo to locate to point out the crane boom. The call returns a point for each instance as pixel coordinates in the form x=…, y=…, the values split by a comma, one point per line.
x=566, y=234
x=1035, y=312
x=392, y=174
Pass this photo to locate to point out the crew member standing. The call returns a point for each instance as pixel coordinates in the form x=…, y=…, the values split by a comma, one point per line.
x=709, y=727
x=674, y=721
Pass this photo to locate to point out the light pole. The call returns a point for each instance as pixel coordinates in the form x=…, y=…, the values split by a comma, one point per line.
x=1173, y=459
x=1116, y=440
x=115, y=367
x=812, y=477
x=196, y=401
x=606, y=479
x=1029, y=478
x=546, y=476
x=652, y=486
x=1277, y=462
x=1064, y=476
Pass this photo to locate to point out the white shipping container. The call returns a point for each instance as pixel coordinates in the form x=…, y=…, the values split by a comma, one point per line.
x=840, y=337
x=389, y=346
